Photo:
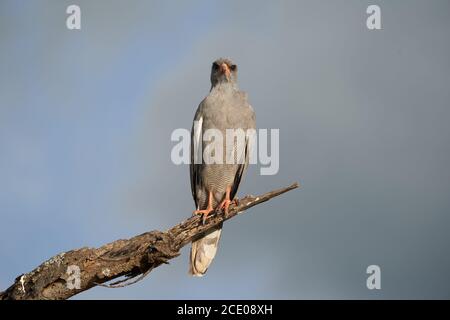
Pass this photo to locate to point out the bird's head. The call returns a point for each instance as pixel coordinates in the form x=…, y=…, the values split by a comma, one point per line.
x=223, y=71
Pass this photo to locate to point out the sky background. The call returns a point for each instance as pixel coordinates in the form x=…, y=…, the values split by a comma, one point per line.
x=86, y=118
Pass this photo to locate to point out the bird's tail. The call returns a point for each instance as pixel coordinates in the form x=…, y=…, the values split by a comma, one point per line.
x=203, y=251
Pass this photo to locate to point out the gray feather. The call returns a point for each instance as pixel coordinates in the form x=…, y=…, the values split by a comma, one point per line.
x=224, y=108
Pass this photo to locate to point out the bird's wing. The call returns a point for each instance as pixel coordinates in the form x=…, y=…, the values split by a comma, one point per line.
x=242, y=165
x=196, y=140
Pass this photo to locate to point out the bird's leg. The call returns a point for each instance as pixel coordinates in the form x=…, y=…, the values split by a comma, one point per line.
x=208, y=210
x=225, y=204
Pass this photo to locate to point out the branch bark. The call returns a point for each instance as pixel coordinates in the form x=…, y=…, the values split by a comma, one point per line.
x=132, y=258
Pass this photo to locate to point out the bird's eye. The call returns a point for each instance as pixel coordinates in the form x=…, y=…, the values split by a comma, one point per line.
x=233, y=67
x=215, y=66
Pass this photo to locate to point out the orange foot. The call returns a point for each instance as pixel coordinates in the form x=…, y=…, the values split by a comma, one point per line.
x=204, y=213
x=225, y=204
x=207, y=211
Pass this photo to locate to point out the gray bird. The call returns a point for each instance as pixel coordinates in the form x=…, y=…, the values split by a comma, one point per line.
x=214, y=186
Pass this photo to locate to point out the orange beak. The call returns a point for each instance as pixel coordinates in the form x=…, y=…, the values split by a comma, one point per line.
x=225, y=70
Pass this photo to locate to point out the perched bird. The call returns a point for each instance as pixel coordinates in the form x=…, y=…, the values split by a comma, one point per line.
x=214, y=186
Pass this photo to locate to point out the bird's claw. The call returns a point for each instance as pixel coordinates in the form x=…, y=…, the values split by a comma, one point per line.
x=204, y=214
x=224, y=205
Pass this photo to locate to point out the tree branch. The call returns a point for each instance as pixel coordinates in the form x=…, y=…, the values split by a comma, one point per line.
x=137, y=256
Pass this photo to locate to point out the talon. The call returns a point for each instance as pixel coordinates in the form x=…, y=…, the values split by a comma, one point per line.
x=207, y=211
x=204, y=213
x=225, y=204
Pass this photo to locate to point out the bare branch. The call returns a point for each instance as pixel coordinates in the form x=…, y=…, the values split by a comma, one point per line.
x=131, y=258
